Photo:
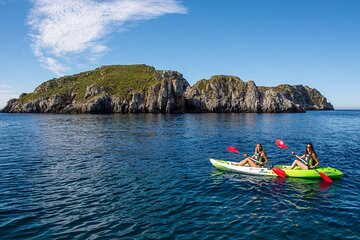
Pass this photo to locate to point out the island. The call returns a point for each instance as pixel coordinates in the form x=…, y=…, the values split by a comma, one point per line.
x=143, y=89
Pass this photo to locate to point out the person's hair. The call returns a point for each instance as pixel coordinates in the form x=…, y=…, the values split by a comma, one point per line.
x=312, y=147
x=261, y=148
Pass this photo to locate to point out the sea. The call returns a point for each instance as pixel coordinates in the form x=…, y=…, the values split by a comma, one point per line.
x=148, y=176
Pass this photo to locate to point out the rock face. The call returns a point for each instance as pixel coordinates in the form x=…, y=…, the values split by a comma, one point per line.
x=168, y=92
x=166, y=96
x=231, y=94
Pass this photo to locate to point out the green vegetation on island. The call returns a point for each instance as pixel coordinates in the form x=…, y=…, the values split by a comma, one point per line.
x=117, y=80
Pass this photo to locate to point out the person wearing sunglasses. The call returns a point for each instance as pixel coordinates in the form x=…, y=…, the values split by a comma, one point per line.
x=259, y=159
x=309, y=157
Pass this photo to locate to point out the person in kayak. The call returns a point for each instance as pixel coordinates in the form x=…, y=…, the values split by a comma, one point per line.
x=310, y=157
x=259, y=159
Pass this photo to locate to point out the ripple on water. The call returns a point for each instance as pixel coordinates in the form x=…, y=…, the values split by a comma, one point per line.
x=148, y=177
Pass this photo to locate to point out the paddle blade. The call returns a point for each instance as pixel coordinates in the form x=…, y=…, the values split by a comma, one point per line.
x=279, y=172
x=233, y=149
x=280, y=144
x=326, y=178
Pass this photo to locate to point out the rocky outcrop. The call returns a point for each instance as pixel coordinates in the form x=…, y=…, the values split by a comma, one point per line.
x=166, y=96
x=231, y=94
x=223, y=94
x=41, y=105
x=168, y=93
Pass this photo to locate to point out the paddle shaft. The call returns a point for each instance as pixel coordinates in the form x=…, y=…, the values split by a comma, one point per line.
x=282, y=145
x=302, y=160
x=305, y=162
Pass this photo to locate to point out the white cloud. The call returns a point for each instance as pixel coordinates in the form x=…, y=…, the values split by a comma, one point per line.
x=62, y=29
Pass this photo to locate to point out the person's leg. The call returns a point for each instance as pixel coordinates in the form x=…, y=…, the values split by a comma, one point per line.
x=292, y=165
x=300, y=164
x=243, y=162
x=247, y=161
x=251, y=163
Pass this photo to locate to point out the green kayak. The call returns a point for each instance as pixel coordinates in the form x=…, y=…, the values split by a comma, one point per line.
x=296, y=172
x=311, y=173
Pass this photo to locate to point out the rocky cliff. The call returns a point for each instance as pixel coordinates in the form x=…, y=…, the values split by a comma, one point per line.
x=142, y=89
x=231, y=94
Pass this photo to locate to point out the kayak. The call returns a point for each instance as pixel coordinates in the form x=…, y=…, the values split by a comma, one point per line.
x=231, y=166
x=300, y=173
x=296, y=172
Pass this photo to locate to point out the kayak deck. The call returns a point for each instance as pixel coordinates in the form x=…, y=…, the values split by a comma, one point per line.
x=296, y=172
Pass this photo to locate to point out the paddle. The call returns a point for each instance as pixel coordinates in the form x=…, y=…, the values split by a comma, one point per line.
x=277, y=171
x=282, y=145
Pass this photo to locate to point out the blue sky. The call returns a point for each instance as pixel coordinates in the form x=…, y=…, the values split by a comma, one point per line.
x=314, y=43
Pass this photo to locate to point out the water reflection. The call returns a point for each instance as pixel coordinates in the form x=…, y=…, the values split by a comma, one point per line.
x=298, y=192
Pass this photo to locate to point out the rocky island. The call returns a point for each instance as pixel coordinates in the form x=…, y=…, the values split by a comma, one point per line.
x=143, y=89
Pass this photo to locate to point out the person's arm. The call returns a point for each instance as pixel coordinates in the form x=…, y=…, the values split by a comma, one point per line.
x=317, y=162
x=265, y=157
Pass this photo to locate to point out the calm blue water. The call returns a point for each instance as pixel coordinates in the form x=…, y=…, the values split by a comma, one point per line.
x=149, y=177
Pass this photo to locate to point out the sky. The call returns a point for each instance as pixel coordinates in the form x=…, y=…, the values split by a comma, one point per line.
x=309, y=42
